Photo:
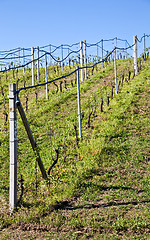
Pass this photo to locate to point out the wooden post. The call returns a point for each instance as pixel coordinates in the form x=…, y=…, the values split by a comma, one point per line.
x=38, y=75
x=30, y=136
x=32, y=53
x=46, y=76
x=85, y=60
x=78, y=96
x=81, y=60
x=13, y=147
x=135, y=53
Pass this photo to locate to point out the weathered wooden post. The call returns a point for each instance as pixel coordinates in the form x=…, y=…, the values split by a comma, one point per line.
x=85, y=60
x=78, y=96
x=32, y=54
x=13, y=147
x=46, y=76
x=30, y=136
x=135, y=53
x=38, y=74
x=81, y=60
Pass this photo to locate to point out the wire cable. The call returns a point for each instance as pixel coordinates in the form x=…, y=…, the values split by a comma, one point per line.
x=67, y=75
x=18, y=50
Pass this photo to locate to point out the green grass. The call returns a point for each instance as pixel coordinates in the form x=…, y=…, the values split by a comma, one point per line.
x=99, y=190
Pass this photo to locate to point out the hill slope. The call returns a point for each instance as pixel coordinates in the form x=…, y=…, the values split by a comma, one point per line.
x=99, y=189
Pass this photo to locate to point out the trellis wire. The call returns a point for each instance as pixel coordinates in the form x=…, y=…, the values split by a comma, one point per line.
x=5, y=54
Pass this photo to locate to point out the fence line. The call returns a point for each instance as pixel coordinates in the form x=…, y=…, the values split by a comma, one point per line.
x=64, y=76
x=84, y=67
x=18, y=56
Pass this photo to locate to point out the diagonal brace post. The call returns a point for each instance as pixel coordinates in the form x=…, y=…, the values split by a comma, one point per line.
x=31, y=138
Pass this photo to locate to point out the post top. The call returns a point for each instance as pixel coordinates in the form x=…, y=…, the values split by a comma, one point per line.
x=12, y=87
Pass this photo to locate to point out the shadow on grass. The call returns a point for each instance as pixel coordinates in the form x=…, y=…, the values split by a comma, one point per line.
x=66, y=205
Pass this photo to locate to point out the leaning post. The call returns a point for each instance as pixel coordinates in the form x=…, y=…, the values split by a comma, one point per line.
x=30, y=136
x=13, y=147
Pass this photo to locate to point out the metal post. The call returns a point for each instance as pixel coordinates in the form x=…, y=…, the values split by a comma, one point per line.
x=78, y=96
x=144, y=49
x=62, y=57
x=69, y=60
x=38, y=74
x=102, y=52
x=81, y=60
x=46, y=76
x=50, y=53
x=116, y=46
x=85, y=60
x=97, y=52
x=14, y=60
x=23, y=63
x=13, y=147
x=19, y=56
x=115, y=68
x=32, y=53
x=135, y=53
x=126, y=49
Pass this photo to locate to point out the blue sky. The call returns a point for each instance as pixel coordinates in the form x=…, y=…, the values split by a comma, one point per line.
x=27, y=23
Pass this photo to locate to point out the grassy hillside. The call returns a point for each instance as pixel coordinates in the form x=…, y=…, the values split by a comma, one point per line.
x=99, y=188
